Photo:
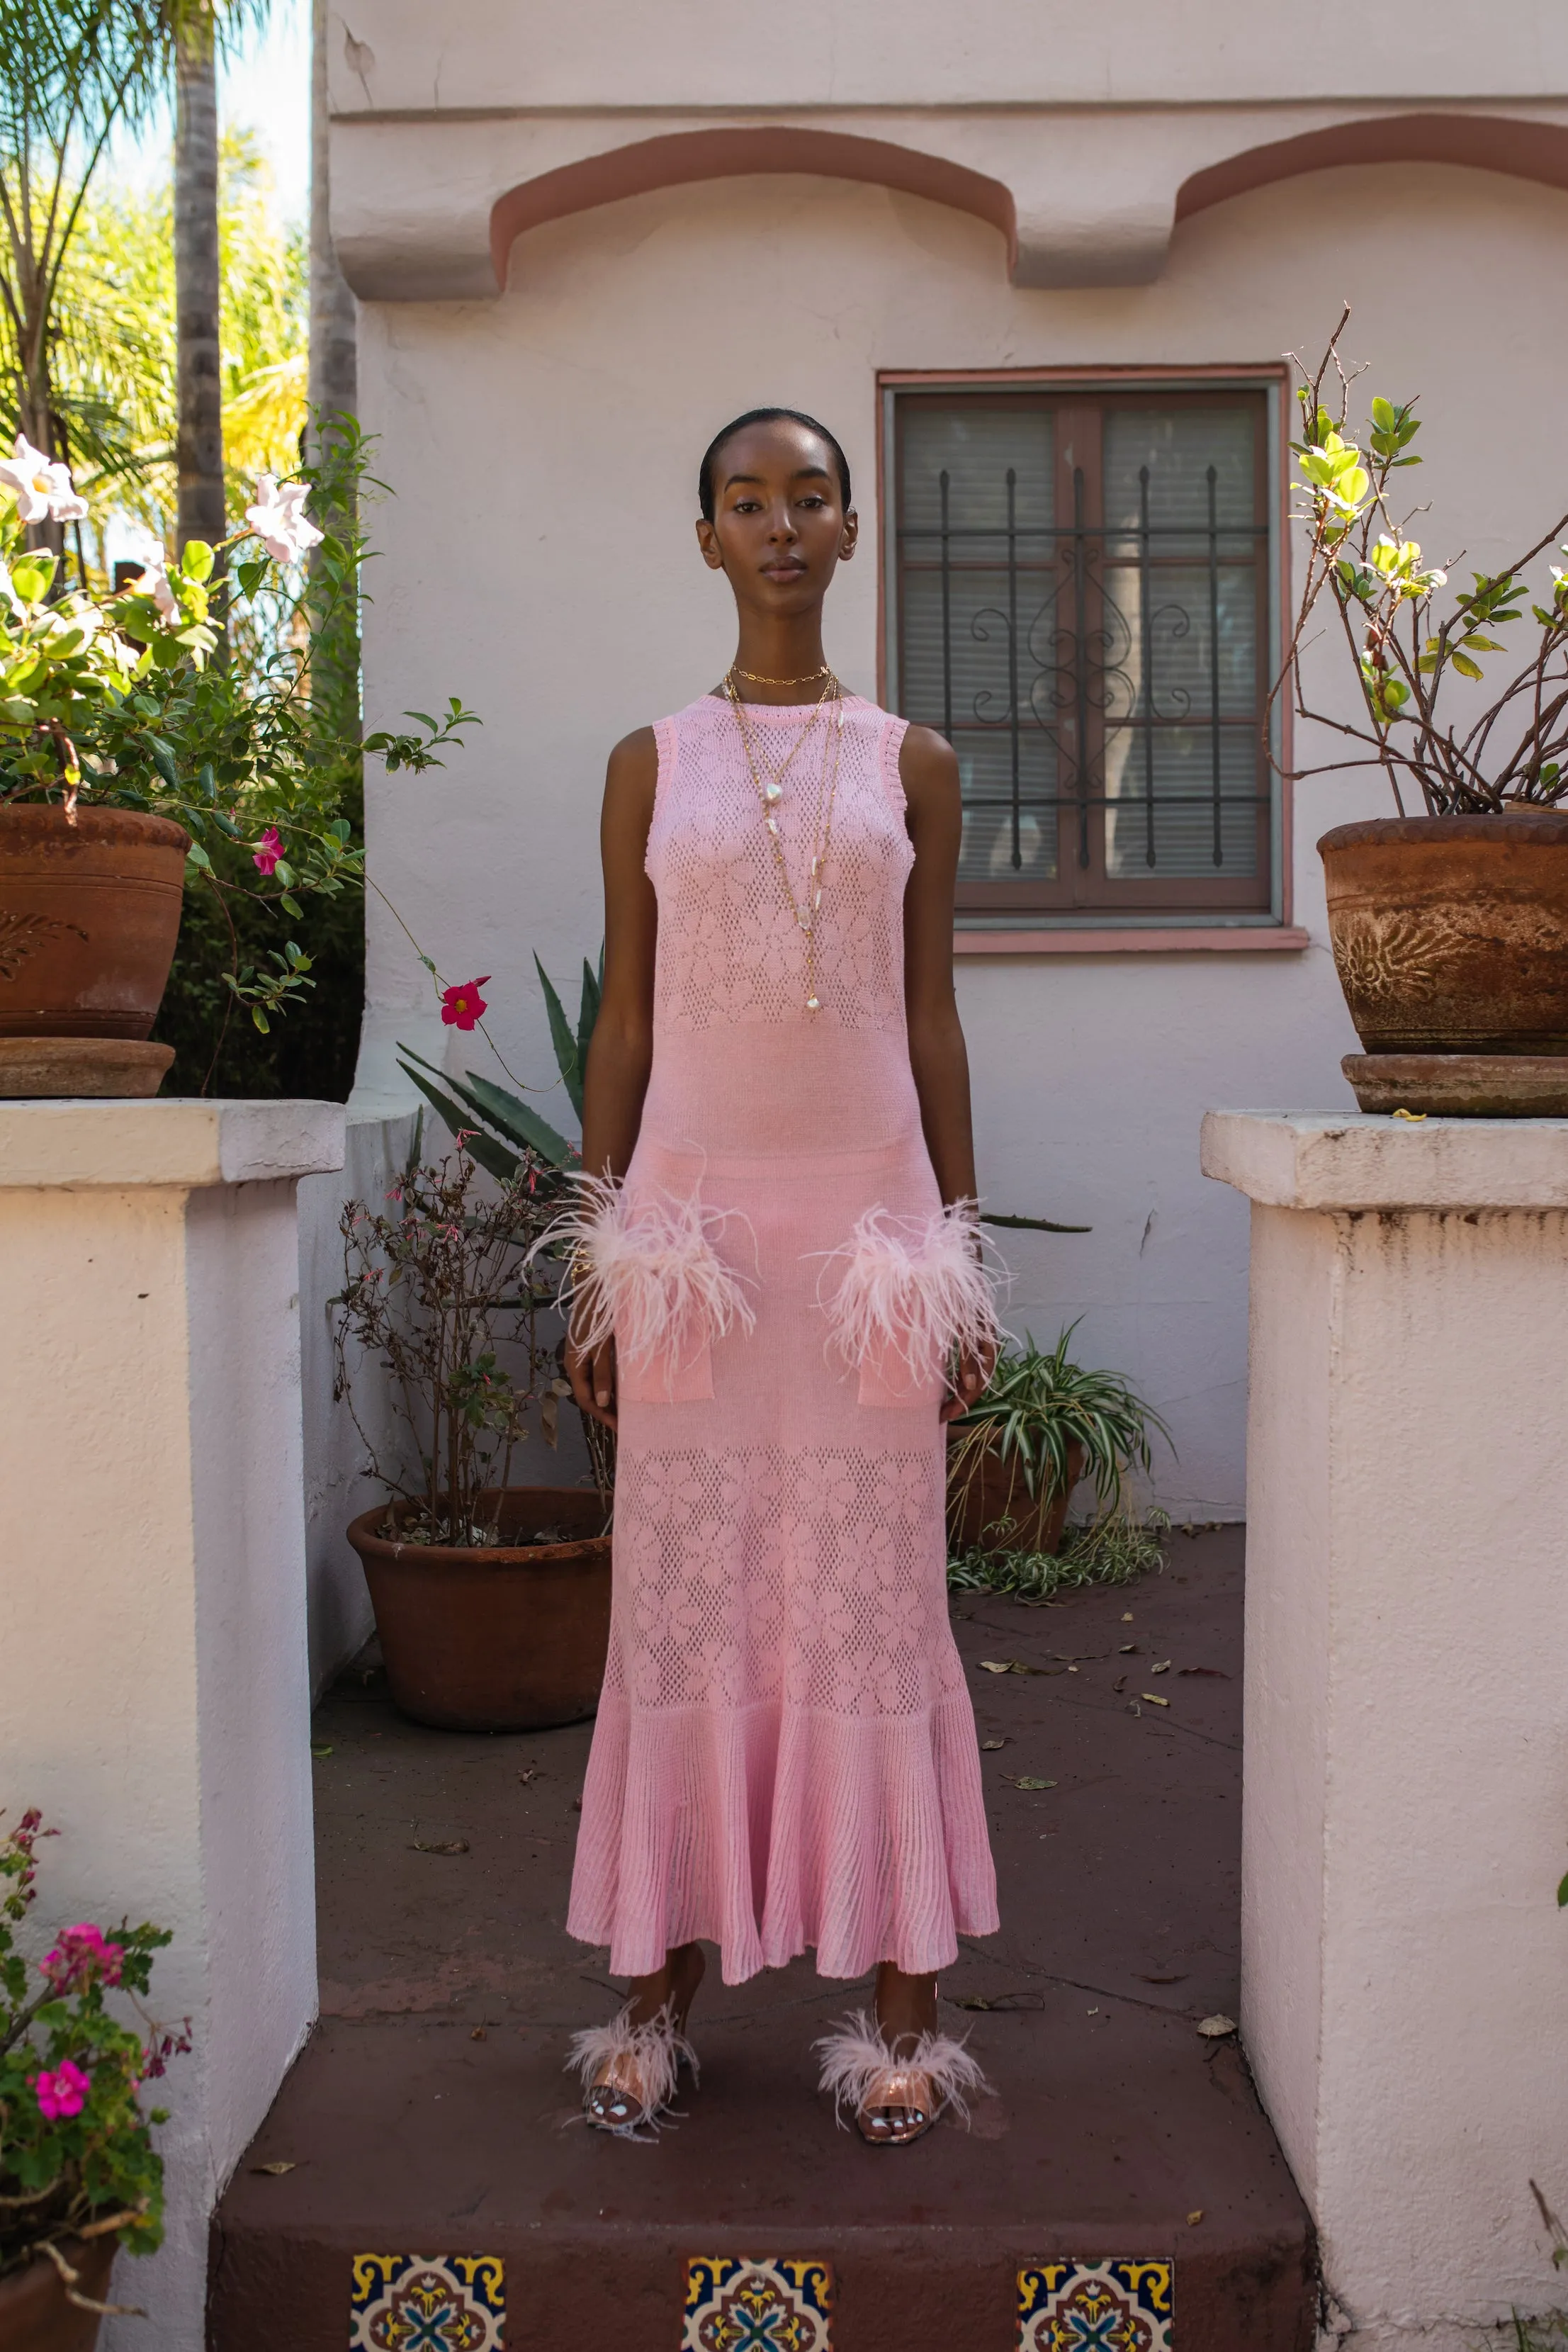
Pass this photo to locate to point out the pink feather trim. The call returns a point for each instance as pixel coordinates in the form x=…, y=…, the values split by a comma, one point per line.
x=912, y=1288
x=856, y=2062
x=644, y=2060
x=653, y=1278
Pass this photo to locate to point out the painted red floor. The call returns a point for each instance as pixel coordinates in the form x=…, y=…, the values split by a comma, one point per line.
x=430, y=2113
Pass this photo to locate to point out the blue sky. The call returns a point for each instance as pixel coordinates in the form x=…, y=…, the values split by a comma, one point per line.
x=266, y=88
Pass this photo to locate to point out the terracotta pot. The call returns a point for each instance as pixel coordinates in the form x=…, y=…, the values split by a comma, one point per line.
x=89, y=913
x=1450, y=934
x=34, y=2314
x=512, y=1639
x=989, y=1507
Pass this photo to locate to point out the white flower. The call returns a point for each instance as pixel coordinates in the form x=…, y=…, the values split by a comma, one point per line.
x=154, y=582
x=279, y=522
x=42, y=486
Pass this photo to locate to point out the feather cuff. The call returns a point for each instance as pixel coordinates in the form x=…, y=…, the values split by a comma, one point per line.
x=856, y=2060
x=650, y=1276
x=912, y=1289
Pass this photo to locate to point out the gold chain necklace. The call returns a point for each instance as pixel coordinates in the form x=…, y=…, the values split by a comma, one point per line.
x=755, y=677
x=772, y=791
x=805, y=916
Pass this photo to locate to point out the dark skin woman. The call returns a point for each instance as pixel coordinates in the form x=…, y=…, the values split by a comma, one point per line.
x=780, y=529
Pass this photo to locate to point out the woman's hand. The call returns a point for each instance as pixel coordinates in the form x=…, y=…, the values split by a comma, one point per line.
x=592, y=1378
x=970, y=1381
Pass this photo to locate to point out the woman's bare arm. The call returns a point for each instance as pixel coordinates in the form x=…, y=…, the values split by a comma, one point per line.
x=929, y=771
x=622, y=1054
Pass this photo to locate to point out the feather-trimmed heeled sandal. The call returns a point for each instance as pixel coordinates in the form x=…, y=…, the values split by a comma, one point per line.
x=895, y=2099
x=629, y=2073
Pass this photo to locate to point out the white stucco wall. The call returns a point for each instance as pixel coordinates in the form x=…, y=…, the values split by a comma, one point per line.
x=545, y=569
x=1406, y=1720
x=337, y=1488
x=154, y=1701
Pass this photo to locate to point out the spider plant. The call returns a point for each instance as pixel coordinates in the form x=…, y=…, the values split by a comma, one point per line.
x=1055, y=1423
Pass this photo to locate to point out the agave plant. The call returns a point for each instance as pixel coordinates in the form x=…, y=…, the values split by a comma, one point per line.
x=1041, y=1410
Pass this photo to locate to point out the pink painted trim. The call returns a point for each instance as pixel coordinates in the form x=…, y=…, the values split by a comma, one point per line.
x=1256, y=940
x=682, y=156
x=1483, y=142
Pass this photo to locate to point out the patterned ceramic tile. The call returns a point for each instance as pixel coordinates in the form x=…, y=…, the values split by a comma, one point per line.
x=428, y=2303
x=1117, y=2307
x=733, y=2304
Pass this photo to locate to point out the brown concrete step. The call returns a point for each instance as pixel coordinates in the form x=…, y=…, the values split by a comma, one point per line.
x=1115, y=2123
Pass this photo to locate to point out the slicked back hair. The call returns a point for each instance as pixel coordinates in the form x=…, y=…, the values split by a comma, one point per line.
x=707, y=471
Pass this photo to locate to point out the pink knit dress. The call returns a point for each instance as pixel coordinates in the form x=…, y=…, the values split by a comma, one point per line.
x=785, y=1754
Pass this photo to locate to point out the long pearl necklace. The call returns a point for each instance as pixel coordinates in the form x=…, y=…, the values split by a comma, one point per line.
x=771, y=790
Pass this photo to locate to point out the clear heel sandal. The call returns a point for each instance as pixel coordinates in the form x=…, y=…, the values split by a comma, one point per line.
x=894, y=2099
x=630, y=2072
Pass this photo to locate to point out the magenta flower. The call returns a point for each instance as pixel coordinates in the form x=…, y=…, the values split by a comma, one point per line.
x=63, y=2093
x=269, y=850
x=461, y=1007
x=80, y=1953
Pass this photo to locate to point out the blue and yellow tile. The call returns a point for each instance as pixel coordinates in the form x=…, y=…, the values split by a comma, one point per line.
x=427, y=2302
x=1107, y=2306
x=736, y=2304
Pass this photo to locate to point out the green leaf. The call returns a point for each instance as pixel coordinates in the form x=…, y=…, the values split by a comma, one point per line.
x=493, y=1156
x=588, y=1010
x=259, y=1017
x=291, y=905
x=1465, y=665
x=196, y=562
x=197, y=855
x=251, y=575
x=1563, y=1894
x=561, y=1039
x=1383, y=416
x=1482, y=645
x=31, y=575
x=503, y=1109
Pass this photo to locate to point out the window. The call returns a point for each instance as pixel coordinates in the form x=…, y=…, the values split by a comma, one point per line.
x=1082, y=589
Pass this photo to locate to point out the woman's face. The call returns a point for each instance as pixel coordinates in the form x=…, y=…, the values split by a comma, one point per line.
x=779, y=529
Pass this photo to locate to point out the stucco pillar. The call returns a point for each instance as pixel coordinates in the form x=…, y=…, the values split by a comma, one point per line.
x=1406, y=1814
x=154, y=1690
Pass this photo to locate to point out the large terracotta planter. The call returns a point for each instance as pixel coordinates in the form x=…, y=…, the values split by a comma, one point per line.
x=89, y=913
x=1450, y=934
x=512, y=1639
x=989, y=1507
x=34, y=2314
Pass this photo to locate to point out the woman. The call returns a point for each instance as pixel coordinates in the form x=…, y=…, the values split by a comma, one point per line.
x=777, y=1299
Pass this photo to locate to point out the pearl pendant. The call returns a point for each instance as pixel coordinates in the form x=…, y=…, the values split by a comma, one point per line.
x=773, y=791
x=773, y=825
x=813, y=1005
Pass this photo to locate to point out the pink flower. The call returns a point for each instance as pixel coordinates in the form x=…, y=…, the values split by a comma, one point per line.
x=461, y=1007
x=63, y=2093
x=79, y=1953
x=269, y=850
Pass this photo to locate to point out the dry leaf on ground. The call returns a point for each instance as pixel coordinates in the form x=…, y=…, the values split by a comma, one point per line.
x=443, y=1845
x=1217, y=2028
x=276, y=2170
x=1153, y=1699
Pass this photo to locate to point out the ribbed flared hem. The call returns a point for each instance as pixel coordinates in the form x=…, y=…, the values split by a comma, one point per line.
x=775, y=1830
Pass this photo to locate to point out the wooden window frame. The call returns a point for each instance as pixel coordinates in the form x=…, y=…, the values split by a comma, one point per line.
x=1120, y=916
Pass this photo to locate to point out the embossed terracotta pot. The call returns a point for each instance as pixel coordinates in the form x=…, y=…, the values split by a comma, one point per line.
x=89, y=913
x=1450, y=934
x=508, y=1638
x=34, y=2314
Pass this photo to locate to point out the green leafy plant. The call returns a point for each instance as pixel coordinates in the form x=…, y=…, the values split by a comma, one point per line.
x=1043, y=1412
x=1505, y=749
x=77, y=2160
x=1111, y=1550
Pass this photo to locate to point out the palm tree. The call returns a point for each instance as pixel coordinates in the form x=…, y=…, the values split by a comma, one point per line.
x=198, y=276
x=74, y=70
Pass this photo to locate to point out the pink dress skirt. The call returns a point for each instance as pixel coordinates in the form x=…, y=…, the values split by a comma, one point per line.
x=785, y=1755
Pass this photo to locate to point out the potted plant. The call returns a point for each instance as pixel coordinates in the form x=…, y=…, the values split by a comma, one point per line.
x=1450, y=919
x=79, y=2177
x=492, y=1600
x=1044, y=1424
x=127, y=755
